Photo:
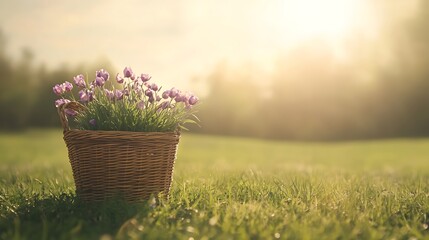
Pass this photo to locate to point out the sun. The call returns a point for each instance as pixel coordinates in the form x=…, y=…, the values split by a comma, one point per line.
x=328, y=19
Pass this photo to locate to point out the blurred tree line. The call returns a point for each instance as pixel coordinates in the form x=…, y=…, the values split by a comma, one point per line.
x=26, y=97
x=380, y=90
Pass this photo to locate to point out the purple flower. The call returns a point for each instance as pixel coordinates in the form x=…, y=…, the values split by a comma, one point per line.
x=133, y=77
x=67, y=86
x=166, y=94
x=193, y=100
x=70, y=112
x=58, y=89
x=141, y=105
x=174, y=92
x=154, y=87
x=103, y=74
x=99, y=81
x=109, y=94
x=148, y=93
x=118, y=94
x=85, y=96
x=119, y=79
x=128, y=72
x=92, y=122
x=79, y=81
x=158, y=98
x=60, y=102
x=180, y=98
x=138, y=84
x=151, y=99
x=145, y=77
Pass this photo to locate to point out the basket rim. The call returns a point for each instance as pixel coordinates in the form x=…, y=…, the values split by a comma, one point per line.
x=114, y=132
x=118, y=136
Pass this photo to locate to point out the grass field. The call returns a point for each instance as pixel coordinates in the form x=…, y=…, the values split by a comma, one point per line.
x=227, y=188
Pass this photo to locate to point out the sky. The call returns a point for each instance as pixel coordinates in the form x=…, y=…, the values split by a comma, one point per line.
x=175, y=40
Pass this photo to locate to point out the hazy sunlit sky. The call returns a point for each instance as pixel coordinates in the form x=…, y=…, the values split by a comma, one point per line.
x=177, y=39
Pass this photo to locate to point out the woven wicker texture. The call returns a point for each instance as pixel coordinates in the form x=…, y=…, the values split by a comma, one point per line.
x=132, y=165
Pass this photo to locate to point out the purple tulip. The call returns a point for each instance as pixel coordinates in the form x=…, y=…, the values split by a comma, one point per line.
x=145, y=77
x=67, y=86
x=60, y=102
x=174, y=92
x=79, y=81
x=154, y=87
x=109, y=94
x=99, y=81
x=166, y=94
x=148, y=93
x=128, y=72
x=85, y=96
x=133, y=77
x=70, y=112
x=158, y=98
x=92, y=122
x=141, y=105
x=180, y=98
x=118, y=94
x=193, y=100
x=58, y=89
x=103, y=74
x=151, y=99
x=138, y=84
x=119, y=79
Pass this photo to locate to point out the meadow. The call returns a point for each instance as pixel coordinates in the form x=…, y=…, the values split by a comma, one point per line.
x=227, y=188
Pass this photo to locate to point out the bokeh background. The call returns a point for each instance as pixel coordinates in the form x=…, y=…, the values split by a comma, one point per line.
x=283, y=69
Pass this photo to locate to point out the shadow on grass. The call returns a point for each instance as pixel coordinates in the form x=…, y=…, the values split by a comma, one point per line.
x=65, y=216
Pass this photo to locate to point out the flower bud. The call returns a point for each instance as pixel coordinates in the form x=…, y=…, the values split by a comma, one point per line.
x=99, y=81
x=79, y=81
x=103, y=74
x=145, y=77
x=151, y=99
x=180, y=98
x=58, y=89
x=174, y=92
x=119, y=79
x=85, y=96
x=109, y=94
x=166, y=94
x=148, y=93
x=60, y=102
x=118, y=94
x=193, y=100
x=154, y=87
x=67, y=86
x=128, y=72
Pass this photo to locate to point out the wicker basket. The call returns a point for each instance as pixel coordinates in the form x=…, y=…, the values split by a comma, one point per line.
x=132, y=165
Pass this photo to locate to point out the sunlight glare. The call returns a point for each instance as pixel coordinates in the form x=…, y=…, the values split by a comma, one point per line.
x=329, y=19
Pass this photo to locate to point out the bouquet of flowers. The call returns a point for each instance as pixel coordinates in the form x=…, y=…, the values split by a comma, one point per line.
x=130, y=103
